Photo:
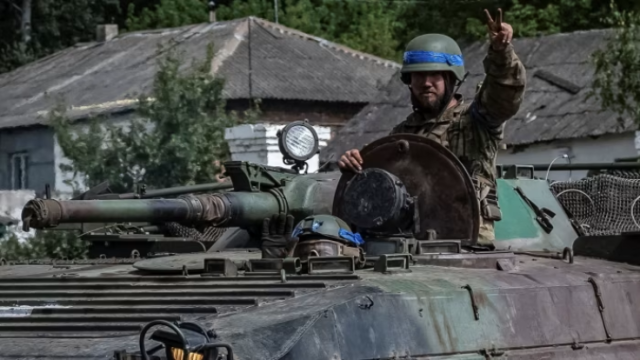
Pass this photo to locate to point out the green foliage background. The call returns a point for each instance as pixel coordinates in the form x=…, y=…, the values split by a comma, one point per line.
x=47, y=244
x=380, y=27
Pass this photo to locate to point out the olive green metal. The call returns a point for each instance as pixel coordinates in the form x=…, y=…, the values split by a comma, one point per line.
x=178, y=190
x=45, y=213
x=325, y=226
x=435, y=43
x=519, y=228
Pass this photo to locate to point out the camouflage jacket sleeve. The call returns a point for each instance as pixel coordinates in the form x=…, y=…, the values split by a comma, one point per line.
x=502, y=90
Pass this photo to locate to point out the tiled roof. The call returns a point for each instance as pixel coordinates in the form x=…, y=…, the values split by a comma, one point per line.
x=107, y=76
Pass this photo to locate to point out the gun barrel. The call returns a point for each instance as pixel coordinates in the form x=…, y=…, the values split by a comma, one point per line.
x=300, y=197
x=230, y=209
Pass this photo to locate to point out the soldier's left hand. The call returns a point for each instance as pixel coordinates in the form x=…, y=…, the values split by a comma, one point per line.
x=500, y=32
x=277, y=239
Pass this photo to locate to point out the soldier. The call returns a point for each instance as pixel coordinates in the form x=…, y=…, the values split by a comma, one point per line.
x=432, y=66
x=317, y=235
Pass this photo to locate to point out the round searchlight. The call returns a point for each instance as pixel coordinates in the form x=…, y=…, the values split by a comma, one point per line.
x=298, y=141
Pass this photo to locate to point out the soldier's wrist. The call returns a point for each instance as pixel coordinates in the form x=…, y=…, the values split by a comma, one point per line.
x=500, y=57
x=501, y=49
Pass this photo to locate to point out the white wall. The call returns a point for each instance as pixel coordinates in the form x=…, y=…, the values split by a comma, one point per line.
x=11, y=204
x=601, y=150
x=259, y=144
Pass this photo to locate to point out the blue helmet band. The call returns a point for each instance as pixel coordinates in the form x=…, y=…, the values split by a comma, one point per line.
x=352, y=237
x=421, y=57
x=342, y=233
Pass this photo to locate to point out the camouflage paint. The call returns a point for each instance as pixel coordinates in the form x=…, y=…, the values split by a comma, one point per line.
x=519, y=230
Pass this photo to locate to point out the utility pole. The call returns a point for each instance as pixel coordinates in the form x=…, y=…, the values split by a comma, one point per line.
x=275, y=4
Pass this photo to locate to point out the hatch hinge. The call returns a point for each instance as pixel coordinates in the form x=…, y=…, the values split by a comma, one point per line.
x=577, y=346
x=476, y=315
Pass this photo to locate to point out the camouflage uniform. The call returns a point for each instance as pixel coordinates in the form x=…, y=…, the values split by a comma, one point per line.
x=473, y=131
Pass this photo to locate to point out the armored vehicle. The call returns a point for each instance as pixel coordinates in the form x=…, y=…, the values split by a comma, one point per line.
x=384, y=264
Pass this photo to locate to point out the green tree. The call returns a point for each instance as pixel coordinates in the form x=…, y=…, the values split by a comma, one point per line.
x=616, y=83
x=53, y=25
x=167, y=14
x=368, y=26
x=177, y=137
x=46, y=244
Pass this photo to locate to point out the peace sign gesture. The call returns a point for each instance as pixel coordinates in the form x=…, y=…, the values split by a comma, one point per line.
x=500, y=33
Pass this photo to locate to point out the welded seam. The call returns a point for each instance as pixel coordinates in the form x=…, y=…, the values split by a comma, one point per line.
x=476, y=315
x=296, y=337
x=596, y=289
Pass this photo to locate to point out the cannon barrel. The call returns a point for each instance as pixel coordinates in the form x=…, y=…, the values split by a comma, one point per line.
x=301, y=197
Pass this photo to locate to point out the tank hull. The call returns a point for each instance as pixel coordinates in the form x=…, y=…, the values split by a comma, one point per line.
x=543, y=308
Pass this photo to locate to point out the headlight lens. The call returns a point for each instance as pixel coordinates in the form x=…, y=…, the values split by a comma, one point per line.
x=178, y=354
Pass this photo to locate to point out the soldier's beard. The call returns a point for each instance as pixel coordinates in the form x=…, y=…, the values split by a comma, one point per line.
x=430, y=108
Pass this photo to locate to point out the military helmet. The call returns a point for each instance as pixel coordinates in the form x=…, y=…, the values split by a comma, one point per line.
x=432, y=52
x=325, y=227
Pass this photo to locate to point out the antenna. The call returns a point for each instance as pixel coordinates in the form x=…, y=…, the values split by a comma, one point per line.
x=250, y=69
x=275, y=5
x=212, y=11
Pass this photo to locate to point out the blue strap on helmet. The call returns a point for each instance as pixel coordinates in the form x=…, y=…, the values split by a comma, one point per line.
x=420, y=57
x=348, y=235
x=297, y=231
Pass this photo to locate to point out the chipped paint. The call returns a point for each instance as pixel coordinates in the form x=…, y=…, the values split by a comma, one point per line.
x=24, y=310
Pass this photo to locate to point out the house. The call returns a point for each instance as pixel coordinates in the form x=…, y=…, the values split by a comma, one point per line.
x=295, y=75
x=555, y=117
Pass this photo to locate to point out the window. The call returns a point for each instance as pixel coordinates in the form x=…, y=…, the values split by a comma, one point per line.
x=18, y=169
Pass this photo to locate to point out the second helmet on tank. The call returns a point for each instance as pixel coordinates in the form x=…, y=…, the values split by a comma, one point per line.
x=326, y=235
x=432, y=52
x=317, y=227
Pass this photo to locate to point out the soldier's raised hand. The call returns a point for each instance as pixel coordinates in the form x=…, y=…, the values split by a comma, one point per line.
x=351, y=161
x=277, y=238
x=500, y=33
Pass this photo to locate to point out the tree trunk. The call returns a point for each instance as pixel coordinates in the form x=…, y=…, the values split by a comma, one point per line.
x=25, y=24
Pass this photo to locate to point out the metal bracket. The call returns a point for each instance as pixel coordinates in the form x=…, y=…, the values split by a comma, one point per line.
x=518, y=172
x=392, y=261
x=289, y=265
x=331, y=264
x=438, y=246
x=489, y=354
x=596, y=289
x=567, y=252
x=476, y=314
x=577, y=346
x=123, y=355
x=214, y=346
x=543, y=215
x=220, y=267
